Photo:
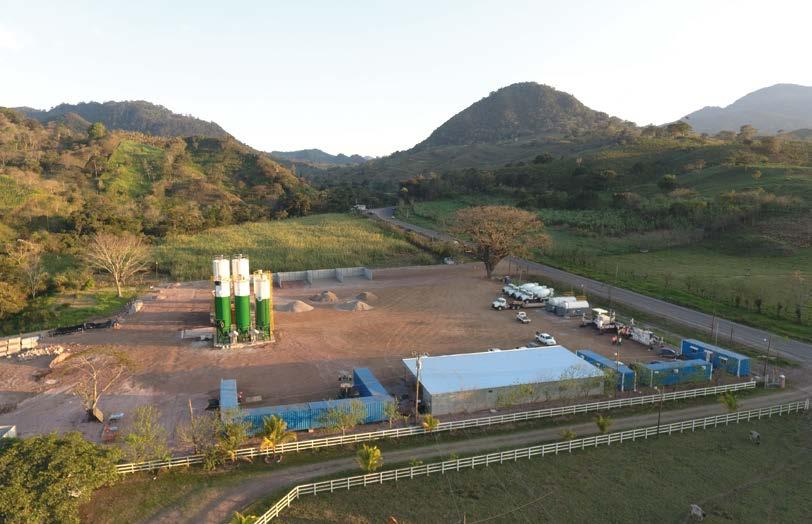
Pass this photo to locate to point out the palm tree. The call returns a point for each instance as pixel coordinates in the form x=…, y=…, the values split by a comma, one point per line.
x=369, y=458
x=430, y=422
x=568, y=434
x=239, y=518
x=274, y=432
x=603, y=423
x=729, y=401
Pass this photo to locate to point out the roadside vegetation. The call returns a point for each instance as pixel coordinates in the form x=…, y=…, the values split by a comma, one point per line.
x=719, y=224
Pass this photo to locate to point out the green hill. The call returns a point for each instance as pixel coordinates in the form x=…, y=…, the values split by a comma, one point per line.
x=319, y=158
x=137, y=115
x=58, y=179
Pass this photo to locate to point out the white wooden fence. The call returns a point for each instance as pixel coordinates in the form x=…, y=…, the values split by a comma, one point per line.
x=553, y=448
x=409, y=431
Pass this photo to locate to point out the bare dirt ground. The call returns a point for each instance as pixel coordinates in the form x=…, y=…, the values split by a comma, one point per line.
x=436, y=310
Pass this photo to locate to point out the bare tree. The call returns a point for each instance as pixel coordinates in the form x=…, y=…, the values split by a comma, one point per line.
x=26, y=257
x=121, y=255
x=98, y=369
x=500, y=231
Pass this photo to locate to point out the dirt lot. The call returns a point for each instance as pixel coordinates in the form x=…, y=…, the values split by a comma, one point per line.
x=437, y=310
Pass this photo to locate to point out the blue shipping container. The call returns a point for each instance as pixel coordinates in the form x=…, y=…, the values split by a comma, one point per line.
x=228, y=394
x=311, y=415
x=626, y=378
x=367, y=384
x=674, y=372
x=730, y=361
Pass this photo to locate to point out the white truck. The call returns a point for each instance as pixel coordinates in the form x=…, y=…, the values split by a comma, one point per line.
x=602, y=319
x=645, y=337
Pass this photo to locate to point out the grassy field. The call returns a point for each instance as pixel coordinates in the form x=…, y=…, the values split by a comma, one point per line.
x=646, y=481
x=315, y=242
x=679, y=266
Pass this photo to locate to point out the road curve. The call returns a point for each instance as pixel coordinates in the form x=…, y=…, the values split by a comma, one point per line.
x=724, y=329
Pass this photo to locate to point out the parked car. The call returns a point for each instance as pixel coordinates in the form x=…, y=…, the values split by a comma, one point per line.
x=546, y=339
x=669, y=353
x=522, y=317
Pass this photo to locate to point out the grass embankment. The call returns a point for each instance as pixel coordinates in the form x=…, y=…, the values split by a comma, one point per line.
x=645, y=481
x=140, y=497
x=742, y=277
x=314, y=242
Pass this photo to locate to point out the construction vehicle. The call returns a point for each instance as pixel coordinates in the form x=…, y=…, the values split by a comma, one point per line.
x=642, y=336
x=522, y=317
x=602, y=319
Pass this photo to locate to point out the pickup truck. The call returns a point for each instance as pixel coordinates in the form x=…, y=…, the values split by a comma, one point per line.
x=522, y=317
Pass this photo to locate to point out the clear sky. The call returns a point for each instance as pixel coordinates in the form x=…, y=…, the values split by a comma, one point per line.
x=374, y=77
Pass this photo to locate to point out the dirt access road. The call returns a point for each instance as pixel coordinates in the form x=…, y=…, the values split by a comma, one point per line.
x=746, y=335
x=217, y=505
x=432, y=309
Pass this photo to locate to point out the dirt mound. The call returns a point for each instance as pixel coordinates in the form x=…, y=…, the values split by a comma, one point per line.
x=297, y=306
x=367, y=296
x=327, y=297
x=356, y=305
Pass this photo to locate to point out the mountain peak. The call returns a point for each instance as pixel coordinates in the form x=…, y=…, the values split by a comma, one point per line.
x=516, y=111
x=769, y=109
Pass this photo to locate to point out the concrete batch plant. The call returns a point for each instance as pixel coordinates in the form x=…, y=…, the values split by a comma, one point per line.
x=472, y=382
x=237, y=327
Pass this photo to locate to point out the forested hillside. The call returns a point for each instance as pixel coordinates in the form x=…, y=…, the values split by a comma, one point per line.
x=59, y=180
x=137, y=115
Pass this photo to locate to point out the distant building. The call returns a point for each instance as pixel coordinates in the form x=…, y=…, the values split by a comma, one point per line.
x=501, y=379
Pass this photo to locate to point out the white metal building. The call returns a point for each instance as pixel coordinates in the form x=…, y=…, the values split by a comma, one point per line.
x=471, y=382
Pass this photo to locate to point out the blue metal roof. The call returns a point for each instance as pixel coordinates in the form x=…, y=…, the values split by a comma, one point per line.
x=228, y=394
x=494, y=369
x=605, y=361
x=675, y=364
x=716, y=349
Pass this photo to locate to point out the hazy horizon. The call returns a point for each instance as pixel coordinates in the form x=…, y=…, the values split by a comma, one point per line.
x=369, y=79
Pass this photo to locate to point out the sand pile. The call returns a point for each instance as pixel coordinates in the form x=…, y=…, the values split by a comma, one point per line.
x=327, y=297
x=297, y=306
x=367, y=296
x=356, y=305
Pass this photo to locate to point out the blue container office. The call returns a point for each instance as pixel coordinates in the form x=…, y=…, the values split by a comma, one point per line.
x=625, y=379
x=730, y=361
x=311, y=415
x=674, y=372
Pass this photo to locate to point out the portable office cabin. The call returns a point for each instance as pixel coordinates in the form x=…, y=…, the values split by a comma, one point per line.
x=732, y=362
x=473, y=382
x=556, y=301
x=674, y=372
x=572, y=308
x=366, y=383
x=625, y=374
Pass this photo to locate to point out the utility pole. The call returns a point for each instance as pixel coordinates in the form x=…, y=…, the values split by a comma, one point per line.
x=419, y=366
x=191, y=413
x=769, y=343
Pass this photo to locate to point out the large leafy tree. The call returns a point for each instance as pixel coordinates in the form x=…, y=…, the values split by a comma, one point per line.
x=45, y=478
x=500, y=231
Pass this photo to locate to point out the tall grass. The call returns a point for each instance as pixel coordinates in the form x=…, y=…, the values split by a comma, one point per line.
x=319, y=241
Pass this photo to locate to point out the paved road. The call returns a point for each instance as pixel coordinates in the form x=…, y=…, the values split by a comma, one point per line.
x=745, y=335
x=218, y=505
